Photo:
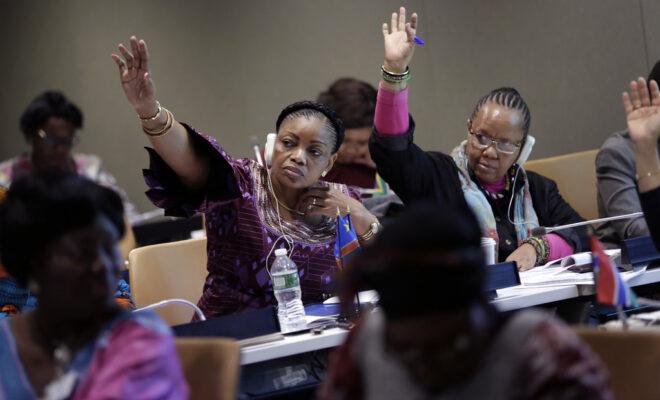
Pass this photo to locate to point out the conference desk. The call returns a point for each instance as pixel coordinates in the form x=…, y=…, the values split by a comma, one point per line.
x=508, y=299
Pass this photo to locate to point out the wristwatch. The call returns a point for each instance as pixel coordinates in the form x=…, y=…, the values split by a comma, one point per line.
x=372, y=232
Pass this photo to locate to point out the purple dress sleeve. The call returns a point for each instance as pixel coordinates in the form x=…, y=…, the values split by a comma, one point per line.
x=228, y=178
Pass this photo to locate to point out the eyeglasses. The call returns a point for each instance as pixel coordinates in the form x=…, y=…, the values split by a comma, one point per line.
x=68, y=141
x=482, y=141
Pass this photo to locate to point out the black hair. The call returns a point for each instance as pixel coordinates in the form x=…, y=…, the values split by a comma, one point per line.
x=353, y=100
x=426, y=260
x=312, y=109
x=655, y=73
x=507, y=97
x=50, y=103
x=39, y=209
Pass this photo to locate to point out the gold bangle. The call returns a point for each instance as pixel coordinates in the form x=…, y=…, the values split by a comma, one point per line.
x=153, y=117
x=371, y=233
x=647, y=175
x=164, y=129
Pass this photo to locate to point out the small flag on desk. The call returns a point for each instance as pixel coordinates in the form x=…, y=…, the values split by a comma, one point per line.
x=610, y=287
x=346, y=241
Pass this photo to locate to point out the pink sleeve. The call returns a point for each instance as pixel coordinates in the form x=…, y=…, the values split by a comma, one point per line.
x=559, y=247
x=138, y=362
x=391, y=117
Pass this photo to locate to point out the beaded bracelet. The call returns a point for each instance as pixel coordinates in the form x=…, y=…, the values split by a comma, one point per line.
x=392, y=77
x=541, y=246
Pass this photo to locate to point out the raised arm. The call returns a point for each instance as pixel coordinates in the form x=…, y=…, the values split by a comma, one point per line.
x=643, y=115
x=174, y=144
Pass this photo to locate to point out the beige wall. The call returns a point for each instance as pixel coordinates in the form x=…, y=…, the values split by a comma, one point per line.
x=229, y=67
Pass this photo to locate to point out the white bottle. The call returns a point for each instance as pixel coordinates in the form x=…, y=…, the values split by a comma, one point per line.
x=286, y=287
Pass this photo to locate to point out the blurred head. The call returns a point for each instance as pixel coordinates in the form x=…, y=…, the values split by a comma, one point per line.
x=49, y=125
x=655, y=73
x=497, y=130
x=308, y=137
x=59, y=234
x=355, y=103
x=428, y=269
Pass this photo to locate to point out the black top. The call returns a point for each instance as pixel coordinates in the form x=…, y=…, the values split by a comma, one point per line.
x=651, y=206
x=415, y=174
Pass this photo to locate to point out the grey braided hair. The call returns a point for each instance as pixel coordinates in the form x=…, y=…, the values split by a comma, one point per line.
x=507, y=97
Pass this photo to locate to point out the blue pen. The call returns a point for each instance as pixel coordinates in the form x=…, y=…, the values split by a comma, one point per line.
x=419, y=40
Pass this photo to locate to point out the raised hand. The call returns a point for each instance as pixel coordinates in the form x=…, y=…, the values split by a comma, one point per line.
x=399, y=42
x=643, y=112
x=135, y=77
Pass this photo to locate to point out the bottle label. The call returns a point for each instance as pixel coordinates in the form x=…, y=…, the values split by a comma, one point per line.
x=287, y=281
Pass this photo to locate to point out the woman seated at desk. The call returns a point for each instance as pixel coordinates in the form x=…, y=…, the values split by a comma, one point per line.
x=484, y=172
x=643, y=116
x=250, y=210
x=58, y=236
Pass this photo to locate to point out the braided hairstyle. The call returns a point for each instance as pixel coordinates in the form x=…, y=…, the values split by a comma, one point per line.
x=510, y=98
x=311, y=109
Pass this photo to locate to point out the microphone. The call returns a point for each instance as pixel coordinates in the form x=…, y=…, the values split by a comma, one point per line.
x=542, y=230
x=257, y=150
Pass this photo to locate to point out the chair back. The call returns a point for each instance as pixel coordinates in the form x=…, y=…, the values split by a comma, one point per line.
x=169, y=270
x=211, y=366
x=632, y=357
x=575, y=175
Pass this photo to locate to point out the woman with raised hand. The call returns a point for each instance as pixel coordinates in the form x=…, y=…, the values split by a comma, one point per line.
x=642, y=108
x=484, y=172
x=250, y=209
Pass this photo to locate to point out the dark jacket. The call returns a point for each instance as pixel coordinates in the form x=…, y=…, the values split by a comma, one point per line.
x=415, y=175
x=651, y=206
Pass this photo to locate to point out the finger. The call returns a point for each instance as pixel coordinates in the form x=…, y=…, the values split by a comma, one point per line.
x=127, y=55
x=402, y=19
x=627, y=104
x=144, y=54
x=634, y=95
x=120, y=63
x=136, y=52
x=410, y=32
x=655, y=93
x=644, y=96
x=413, y=21
x=393, y=23
x=149, y=87
x=386, y=30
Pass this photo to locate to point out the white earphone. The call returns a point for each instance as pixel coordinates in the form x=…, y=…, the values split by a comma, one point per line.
x=269, y=149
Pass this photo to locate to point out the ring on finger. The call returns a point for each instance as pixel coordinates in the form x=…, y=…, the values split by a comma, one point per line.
x=314, y=201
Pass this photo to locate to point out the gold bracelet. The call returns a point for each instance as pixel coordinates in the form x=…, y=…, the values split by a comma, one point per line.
x=371, y=233
x=155, y=116
x=164, y=129
x=647, y=175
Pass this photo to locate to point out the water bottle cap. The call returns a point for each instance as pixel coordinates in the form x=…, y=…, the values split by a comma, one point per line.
x=280, y=252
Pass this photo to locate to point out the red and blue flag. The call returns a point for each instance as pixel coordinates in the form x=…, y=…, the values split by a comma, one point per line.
x=346, y=241
x=610, y=287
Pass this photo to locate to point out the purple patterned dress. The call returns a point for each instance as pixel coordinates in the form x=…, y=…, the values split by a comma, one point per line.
x=241, y=227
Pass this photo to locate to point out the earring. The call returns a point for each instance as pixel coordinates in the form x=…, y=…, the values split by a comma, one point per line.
x=324, y=173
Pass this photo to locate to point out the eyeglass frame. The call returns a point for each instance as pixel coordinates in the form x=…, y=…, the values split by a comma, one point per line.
x=69, y=142
x=492, y=141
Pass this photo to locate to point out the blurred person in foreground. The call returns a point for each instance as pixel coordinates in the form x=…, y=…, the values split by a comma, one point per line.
x=58, y=236
x=618, y=185
x=437, y=337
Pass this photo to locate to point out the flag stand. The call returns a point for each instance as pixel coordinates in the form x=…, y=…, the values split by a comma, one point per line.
x=623, y=317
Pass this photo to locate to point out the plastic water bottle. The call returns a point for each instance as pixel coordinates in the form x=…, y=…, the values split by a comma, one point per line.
x=286, y=286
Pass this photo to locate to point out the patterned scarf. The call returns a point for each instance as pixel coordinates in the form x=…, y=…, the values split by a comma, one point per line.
x=524, y=216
